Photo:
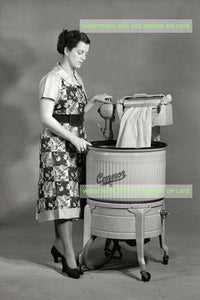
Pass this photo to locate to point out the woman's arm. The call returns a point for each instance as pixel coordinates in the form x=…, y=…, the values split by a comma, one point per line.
x=46, y=111
x=103, y=98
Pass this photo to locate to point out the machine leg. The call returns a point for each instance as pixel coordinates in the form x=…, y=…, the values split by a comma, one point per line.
x=87, y=224
x=140, y=224
x=163, y=245
x=140, y=237
x=165, y=249
x=86, y=230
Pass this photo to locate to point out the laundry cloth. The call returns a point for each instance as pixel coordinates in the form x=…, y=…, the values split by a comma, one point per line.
x=135, y=128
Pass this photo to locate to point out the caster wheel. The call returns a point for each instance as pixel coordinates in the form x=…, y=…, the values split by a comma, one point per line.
x=165, y=259
x=145, y=276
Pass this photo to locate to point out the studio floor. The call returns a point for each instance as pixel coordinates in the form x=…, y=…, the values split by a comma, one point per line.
x=28, y=272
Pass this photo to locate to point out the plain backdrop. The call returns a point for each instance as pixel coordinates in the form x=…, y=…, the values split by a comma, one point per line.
x=119, y=64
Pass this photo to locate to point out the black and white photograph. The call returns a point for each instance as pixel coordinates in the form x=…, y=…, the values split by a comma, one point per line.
x=100, y=168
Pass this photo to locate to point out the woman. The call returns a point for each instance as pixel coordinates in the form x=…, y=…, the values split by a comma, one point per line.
x=63, y=143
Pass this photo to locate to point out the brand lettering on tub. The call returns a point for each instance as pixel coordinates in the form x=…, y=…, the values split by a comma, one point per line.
x=101, y=179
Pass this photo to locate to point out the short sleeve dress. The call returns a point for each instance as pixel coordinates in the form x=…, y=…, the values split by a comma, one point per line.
x=61, y=169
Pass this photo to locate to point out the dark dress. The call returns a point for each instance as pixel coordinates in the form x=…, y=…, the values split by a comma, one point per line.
x=62, y=169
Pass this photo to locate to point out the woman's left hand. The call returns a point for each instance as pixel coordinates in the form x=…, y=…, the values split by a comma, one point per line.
x=103, y=98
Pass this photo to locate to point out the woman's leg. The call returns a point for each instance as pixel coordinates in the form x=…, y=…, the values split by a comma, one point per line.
x=64, y=228
x=58, y=242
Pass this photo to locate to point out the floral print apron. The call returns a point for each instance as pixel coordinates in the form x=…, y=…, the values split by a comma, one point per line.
x=62, y=169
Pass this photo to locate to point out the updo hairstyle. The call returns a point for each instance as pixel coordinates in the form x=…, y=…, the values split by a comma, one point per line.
x=70, y=39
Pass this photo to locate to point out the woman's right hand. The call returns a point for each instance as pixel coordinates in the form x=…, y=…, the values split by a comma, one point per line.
x=80, y=144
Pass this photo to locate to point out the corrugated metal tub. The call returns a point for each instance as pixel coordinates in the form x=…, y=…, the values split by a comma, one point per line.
x=111, y=172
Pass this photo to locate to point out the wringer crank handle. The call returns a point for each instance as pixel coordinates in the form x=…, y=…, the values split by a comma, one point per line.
x=107, y=111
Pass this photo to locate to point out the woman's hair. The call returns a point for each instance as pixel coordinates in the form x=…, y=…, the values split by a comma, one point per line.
x=70, y=39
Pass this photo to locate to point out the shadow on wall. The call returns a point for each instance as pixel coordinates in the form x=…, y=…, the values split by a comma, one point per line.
x=15, y=58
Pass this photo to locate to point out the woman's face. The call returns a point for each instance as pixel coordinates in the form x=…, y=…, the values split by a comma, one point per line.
x=77, y=55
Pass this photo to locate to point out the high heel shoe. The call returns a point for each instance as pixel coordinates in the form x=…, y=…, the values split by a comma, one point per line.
x=73, y=273
x=56, y=254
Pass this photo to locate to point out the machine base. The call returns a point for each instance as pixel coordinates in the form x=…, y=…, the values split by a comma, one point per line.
x=116, y=222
